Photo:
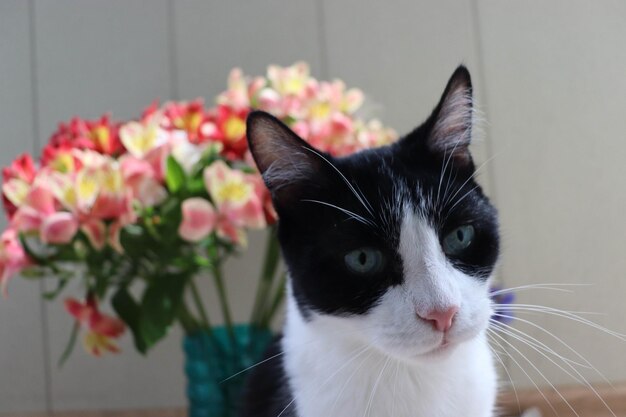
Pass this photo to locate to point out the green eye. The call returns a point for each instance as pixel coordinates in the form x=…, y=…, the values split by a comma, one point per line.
x=364, y=261
x=458, y=240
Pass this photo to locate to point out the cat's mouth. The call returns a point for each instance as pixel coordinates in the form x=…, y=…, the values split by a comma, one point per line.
x=444, y=347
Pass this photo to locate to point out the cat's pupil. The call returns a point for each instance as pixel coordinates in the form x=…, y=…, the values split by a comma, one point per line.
x=459, y=234
x=362, y=258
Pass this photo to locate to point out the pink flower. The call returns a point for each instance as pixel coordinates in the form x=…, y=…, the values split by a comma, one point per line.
x=140, y=177
x=236, y=196
x=14, y=193
x=199, y=219
x=291, y=80
x=98, y=135
x=22, y=167
x=186, y=116
x=38, y=204
x=20, y=174
x=95, y=230
x=12, y=257
x=98, y=189
x=113, y=236
x=230, y=125
x=141, y=138
x=59, y=228
x=101, y=327
x=60, y=158
x=236, y=96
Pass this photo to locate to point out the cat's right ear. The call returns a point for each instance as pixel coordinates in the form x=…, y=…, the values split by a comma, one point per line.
x=285, y=161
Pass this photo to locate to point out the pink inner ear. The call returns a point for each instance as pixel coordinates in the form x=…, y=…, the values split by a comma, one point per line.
x=453, y=129
x=281, y=156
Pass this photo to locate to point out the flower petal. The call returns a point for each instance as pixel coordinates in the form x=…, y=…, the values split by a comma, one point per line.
x=59, y=228
x=198, y=219
x=95, y=230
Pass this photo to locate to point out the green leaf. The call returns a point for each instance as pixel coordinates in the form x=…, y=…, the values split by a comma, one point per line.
x=41, y=259
x=133, y=240
x=174, y=175
x=160, y=305
x=128, y=310
x=33, y=272
x=51, y=295
x=196, y=186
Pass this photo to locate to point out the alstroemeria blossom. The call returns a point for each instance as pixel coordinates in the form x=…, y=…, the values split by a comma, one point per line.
x=234, y=192
x=12, y=258
x=98, y=135
x=95, y=230
x=238, y=202
x=291, y=80
x=101, y=328
x=139, y=139
x=199, y=219
x=59, y=228
x=38, y=204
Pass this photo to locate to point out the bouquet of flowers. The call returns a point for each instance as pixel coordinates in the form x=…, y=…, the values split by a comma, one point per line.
x=149, y=205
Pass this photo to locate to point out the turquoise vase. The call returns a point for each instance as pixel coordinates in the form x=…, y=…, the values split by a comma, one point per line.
x=213, y=360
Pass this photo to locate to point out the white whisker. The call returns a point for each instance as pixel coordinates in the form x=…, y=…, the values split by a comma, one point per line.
x=348, y=362
x=563, y=343
x=462, y=198
x=495, y=353
x=359, y=197
x=476, y=171
x=395, y=388
x=345, y=385
x=509, y=333
x=581, y=378
x=348, y=212
x=536, y=343
x=375, y=388
x=549, y=286
x=521, y=368
x=539, y=372
x=565, y=314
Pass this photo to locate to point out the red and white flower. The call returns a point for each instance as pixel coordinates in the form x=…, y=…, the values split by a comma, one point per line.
x=101, y=329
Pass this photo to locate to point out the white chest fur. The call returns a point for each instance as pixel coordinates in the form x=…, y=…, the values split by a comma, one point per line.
x=333, y=374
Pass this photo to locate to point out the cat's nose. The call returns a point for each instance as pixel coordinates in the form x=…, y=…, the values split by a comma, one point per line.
x=441, y=319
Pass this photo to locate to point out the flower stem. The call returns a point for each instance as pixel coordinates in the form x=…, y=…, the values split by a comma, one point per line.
x=70, y=344
x=206, y=322
x=277, y=299
x=187, y=321
x=272, y=256
x=221, y=290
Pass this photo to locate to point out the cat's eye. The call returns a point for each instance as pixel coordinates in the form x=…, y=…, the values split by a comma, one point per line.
x=459, y=239
x=364, y=261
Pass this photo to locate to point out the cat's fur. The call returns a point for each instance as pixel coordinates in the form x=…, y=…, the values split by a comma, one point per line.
x=370, y=344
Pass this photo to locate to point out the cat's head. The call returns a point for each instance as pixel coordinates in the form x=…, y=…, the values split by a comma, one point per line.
x=397, y=242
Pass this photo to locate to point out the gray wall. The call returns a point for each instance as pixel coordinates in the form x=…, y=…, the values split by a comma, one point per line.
x=550, y=77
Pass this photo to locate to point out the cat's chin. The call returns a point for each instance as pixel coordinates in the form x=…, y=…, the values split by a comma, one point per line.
x=443, y=351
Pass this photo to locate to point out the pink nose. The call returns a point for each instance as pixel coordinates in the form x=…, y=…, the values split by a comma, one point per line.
x=441, y=319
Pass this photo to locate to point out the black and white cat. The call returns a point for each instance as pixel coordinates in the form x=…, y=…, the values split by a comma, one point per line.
x=390, y=253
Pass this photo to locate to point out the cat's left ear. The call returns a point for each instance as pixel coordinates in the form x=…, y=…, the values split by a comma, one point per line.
x=287, y=163
x=449, y=127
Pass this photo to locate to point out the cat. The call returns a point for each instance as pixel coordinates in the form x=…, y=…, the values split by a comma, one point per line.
x=390, y=253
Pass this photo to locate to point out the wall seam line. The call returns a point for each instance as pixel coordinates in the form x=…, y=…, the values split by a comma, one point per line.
x=322, y=38
x=172, y=51
x=45, y=325
x=480, y=58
